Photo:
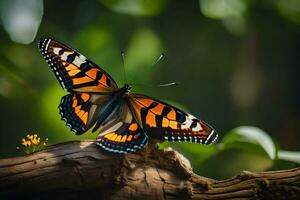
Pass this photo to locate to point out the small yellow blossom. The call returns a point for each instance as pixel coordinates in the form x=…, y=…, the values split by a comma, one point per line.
x=32, y=143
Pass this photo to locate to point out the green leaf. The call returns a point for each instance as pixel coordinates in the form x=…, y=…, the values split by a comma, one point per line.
x=231, y=12
x=289, y=9
x=136, y=7
x=219, y=9
x=240, y=136
x=21, y=19
x=293, y=156
x=228, y=162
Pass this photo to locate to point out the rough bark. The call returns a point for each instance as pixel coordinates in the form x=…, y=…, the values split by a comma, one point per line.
x=76, y=170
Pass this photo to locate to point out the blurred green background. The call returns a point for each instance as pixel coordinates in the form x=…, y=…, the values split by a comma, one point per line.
x=237, y=62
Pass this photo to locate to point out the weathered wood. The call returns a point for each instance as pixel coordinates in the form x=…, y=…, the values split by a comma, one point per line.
x=76, y=170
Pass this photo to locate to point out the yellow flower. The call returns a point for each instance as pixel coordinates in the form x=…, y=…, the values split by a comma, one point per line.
x=35, y=140
x=30, y=137
x=32, y=143
x=26, y=143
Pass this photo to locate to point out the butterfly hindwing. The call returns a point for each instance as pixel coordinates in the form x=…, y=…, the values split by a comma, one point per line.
x=79, y=110
x=165, y=122
x=123, y=134
x=73, y=70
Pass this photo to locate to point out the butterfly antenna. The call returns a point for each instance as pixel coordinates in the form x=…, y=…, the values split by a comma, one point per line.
x=159, y=59
x=123, y=61
x=160, y=85
x=168, y=84
x=162, y=55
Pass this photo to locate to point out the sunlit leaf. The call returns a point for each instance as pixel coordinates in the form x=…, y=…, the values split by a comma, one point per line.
x=229, y=11
x=21, y=19
x=136, y=7
x=289, y=9
x=293, y=156
x=222, y=8
x=247, y=136
x=228, y=162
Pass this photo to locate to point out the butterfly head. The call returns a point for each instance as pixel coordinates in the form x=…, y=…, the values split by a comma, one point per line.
x=127, y=88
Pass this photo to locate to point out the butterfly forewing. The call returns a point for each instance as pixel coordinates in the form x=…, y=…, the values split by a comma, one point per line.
x=73, y=70
x=165, y=122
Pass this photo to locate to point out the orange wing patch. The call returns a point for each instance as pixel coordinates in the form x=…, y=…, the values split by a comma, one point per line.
x=150, y=119
x=129, y=138
x=133, y=127
x=158, y=109
x=92, y=73
x=70, y=67
x=85, y=97
x=172, y=115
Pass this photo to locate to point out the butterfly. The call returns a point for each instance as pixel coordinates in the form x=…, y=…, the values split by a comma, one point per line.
x=125, y=121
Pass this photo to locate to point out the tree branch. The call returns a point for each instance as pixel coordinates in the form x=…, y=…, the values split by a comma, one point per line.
x=76, y=170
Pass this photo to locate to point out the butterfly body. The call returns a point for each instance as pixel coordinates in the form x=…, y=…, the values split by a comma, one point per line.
x=125, y=121
x=111, y=105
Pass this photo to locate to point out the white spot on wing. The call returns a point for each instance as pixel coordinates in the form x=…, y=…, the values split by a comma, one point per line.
x=198, y=127
x=207, y=139
x=56, y=50
x=186, y=124
x=78, y=60
x=64, y=56
x=48, y=42
x=82, y=57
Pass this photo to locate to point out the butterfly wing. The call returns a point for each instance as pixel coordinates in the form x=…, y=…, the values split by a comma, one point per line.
x=73, y=70
x=79, y=110
x=122, y=134
x=165, y=122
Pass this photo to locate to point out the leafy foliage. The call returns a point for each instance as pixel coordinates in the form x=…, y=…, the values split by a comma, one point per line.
x=236, y=62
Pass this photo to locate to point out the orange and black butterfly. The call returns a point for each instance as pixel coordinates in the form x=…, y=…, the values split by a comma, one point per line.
x=124, y=121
